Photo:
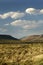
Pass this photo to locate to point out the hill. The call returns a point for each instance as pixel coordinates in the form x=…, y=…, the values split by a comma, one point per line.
x=10, y=39
x=33, y=38
x=7, y=37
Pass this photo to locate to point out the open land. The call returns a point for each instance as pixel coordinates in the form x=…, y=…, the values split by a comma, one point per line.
x=21, y=54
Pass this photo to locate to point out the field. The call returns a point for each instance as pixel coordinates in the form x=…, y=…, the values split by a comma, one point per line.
x=21, y=54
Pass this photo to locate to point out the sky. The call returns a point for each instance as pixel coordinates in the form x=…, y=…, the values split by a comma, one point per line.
x=21, y=18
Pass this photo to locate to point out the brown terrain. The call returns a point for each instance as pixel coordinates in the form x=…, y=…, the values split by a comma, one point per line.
x=22, y=52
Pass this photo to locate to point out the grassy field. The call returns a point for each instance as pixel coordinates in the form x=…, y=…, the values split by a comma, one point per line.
x=21, y=54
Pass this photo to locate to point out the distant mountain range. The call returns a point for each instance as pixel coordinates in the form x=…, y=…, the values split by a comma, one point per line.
x=33, y=38
x=7, y=37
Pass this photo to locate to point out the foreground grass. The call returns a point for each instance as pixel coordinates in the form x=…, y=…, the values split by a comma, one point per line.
x=21, y=54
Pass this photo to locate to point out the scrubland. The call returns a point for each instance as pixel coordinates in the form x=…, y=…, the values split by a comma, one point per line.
x=21, y=54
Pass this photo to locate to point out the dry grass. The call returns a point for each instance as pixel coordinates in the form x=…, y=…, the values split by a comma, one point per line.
x=21, y=54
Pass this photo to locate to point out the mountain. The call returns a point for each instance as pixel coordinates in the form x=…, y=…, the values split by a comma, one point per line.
x=7, y=37
x=33, y=38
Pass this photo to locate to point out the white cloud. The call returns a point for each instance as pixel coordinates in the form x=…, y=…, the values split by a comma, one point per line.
x=31, y=10
x=34, y=11
x=6, y=15
x=17, y=15
x=14, y=15
x=18, y=23
x=41, y=11
x=33, y=24
x=27, y=24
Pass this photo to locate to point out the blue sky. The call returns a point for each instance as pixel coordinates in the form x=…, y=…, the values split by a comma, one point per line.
x=21, y=18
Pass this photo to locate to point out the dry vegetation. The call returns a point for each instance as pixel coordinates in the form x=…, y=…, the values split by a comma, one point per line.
x=21, y=54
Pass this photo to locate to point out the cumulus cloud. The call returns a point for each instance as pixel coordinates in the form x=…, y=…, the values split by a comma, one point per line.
x=30, y=10
x=34, y=11
x=14, y=15
x=17, y=15
x=18, y=23
x=27, y=24
x=41, y=11
x=6, y=15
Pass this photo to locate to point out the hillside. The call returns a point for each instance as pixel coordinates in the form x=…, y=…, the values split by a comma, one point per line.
x=7, y=37
x=33, y=38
